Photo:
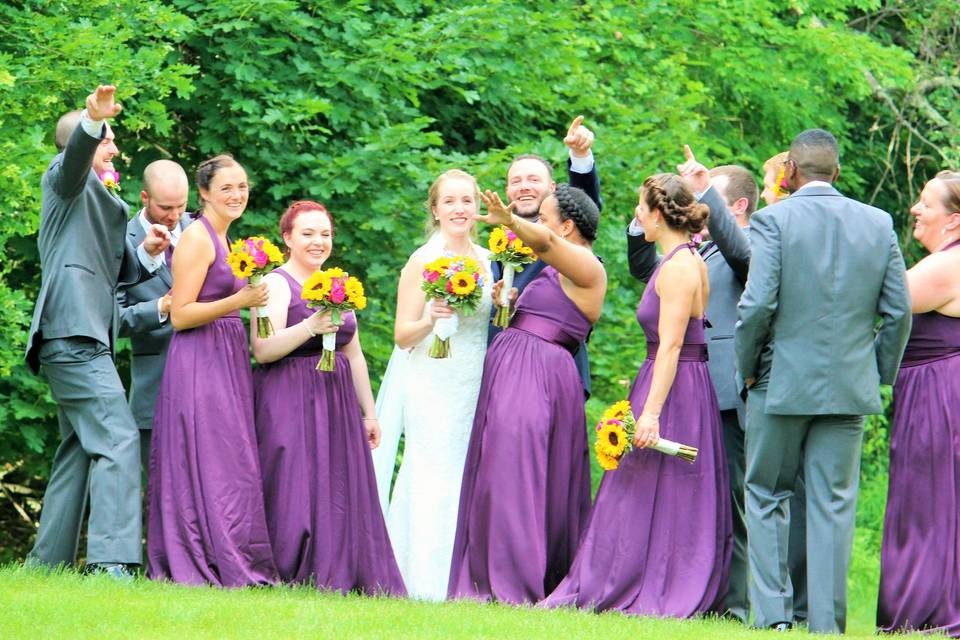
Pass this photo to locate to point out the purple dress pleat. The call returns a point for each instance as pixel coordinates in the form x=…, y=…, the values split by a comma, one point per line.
x=525, y=497
x=323, y=511
x=660, y=536
x=206, y=521
x=920, y=556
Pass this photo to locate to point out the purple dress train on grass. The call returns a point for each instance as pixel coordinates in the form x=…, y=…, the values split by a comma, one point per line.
x=323, y=510
x=525, y=497
x=660, y=536
x=206, y=522
x=920, y=557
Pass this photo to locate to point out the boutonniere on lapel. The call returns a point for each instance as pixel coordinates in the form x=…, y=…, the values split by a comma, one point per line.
x=111, y=180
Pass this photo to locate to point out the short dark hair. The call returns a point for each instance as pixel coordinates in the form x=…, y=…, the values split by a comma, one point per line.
x=740, y=184
x=531, y=156
x=816, y=154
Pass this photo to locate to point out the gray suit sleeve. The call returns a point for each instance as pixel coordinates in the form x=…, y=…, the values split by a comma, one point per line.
x=894, y=308
x=731, y=240
x=69, y=175
x=137, y=318
x=760, y=297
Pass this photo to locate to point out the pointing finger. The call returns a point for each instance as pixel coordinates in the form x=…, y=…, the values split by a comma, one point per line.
x=688, y=153
x=574, y=125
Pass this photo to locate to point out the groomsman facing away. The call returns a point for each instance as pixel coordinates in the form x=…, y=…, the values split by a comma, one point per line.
x=823, y=268
x=145, y=307
x=84, y=255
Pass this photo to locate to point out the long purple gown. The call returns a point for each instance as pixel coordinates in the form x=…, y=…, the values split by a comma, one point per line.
x=920, y=557
x=660, y=537
x=526, y=485
x=206, y=521
x=323, y=509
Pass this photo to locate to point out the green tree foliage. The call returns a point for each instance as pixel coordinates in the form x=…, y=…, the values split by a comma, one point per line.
x=359, y=104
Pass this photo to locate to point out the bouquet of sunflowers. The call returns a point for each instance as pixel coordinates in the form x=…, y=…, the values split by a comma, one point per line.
x=253, y=258
x=615, y=438
x=458, y=281
x=510, y=251
x=336, y=291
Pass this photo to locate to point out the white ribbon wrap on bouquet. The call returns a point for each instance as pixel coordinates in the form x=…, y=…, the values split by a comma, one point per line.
x=329, y=341
x=446, y=327
x=668, y=447
x=508, y=272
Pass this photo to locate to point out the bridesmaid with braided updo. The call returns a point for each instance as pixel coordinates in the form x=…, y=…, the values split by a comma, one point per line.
x=660, y=540
x=525, y=496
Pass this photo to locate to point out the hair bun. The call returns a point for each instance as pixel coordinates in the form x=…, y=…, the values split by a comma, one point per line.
x=668, y=194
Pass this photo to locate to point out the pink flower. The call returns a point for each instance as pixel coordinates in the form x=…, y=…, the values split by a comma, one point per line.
x=431, y=276
x=337, y=292
x=260, y=258
x=511, y=236
x=476, y=277
x=450, y=286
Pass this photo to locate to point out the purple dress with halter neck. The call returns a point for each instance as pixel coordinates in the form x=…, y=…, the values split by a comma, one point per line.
x=920, y=556
x=660, y=536
x=323, y=510
x=525, y=496
x=206, y=521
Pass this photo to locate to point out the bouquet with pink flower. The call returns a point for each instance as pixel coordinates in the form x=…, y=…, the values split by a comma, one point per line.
x=337, y=291
x=511, y=252
x=253, y=258
x=458, y=281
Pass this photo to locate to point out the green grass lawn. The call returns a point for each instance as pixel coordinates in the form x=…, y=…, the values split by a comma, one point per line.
x=70, y=605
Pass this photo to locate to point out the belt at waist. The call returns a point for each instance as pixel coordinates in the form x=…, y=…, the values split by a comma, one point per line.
x=545, y=330
x=688, y=352
x=914, y=357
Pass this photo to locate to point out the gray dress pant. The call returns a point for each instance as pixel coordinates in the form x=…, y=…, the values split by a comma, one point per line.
x=828, y=448
x=737, y=602
x=99, y=456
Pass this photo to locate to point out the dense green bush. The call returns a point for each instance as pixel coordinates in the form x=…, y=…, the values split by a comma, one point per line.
x=360, y=104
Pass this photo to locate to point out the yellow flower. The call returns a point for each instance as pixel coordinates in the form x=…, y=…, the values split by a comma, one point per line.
x=316, y=287
x=353, y=287
x=498, y=241
x=462, y=283
x=607, y=462
x=360, y=302
x=335, y=272
x=612, y=439
x=617, y=411
x=241, y=265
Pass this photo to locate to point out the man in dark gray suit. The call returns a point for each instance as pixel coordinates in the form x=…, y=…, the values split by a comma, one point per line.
x=145, y=307
x=731, y=194
x=84, y=255
x=823, y=268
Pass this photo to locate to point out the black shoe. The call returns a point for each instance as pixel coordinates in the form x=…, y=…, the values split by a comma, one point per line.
x=781, y=626
x=117, y=571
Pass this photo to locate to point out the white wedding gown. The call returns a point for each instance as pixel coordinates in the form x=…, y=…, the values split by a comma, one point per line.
x=432, y=401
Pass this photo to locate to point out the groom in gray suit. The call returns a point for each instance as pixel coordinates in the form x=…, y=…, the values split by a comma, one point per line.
x=145, y=307
x=84, y=255
x=812, y=354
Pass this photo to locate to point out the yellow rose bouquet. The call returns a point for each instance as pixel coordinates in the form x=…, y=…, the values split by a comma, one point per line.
x=615, y=433
x=458, y=281
x=336, y=291
x=512, y=254
x=252, y=259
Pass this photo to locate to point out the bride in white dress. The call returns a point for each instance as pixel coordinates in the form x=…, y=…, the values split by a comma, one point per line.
x=432, y=400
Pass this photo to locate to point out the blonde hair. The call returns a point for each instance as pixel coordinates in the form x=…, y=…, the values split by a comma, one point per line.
x=775, y=163
x=433, y=195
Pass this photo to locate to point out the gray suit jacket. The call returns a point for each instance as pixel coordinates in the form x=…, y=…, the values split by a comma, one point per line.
x=823, y=268
x=140, y=321
x=728, y=259
x=84, y=252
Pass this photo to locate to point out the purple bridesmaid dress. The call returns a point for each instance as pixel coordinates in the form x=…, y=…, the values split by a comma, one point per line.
x=526, y=485
x=920, y=557
x=660, y=536
x=206, y=521
x=323, y=509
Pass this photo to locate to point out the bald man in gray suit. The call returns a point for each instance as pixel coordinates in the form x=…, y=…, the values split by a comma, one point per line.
x=84, y=255
x=823, y=269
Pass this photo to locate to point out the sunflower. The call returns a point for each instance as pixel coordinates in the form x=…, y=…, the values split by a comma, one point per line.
x=241, y=264
x=462, y=283
x=335, y=272
x=612, y=439
x=317, y=286
x=353, y=287
x=617, y=411
x=607, y=462
x=498, y=240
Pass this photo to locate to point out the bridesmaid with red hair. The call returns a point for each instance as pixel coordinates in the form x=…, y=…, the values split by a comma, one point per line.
x=316, y=428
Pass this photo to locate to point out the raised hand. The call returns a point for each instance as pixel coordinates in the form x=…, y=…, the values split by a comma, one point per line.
x=157, y=240
x=578, y=138
x=100, y=104
x=497, y=212
x=693, y=173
